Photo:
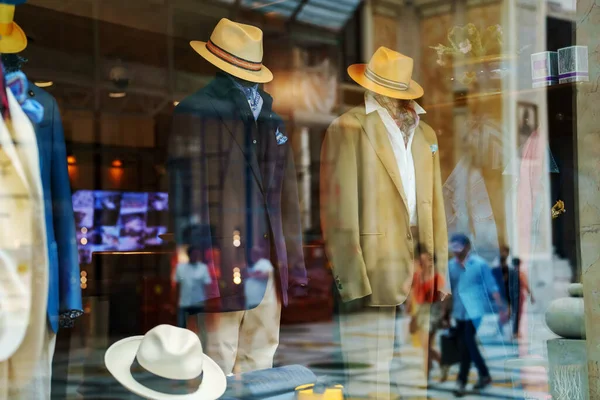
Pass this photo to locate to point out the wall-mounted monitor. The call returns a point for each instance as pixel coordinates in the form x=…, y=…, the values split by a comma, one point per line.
x=119, y=221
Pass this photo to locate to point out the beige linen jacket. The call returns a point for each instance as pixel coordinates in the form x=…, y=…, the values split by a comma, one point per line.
x=23, y=255
x=364, y=212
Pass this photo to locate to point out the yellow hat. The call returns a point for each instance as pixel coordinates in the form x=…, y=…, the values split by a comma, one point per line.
x=388, y=73
x=236, y=49
x=12, y=37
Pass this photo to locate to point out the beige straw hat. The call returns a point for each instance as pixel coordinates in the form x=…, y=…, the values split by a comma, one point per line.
x=236, y=49
x=388, y=73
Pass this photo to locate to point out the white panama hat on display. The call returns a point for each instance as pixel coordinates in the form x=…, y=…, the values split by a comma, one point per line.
x=166, y=363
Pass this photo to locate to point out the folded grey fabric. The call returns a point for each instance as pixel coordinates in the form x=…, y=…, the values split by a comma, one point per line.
x=268, y=382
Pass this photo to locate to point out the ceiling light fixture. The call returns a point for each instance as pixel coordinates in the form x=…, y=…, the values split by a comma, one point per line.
x=43, y=84
x=117, y=95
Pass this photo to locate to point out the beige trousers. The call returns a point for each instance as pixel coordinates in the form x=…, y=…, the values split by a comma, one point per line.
x=372, y=366
x=39, y=386
x=243, y=341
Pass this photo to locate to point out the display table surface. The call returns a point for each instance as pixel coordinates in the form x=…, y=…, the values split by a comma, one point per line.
x=275, y=383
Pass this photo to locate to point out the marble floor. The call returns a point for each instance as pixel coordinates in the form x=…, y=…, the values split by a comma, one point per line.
x=314, y=345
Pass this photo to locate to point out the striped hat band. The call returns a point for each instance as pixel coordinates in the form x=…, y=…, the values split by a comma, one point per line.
x=232, y=59
x=395, y=85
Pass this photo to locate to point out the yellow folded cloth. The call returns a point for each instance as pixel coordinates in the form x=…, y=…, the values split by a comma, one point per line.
x=305, y=392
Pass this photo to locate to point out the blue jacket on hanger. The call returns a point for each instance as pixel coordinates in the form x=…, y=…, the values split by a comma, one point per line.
x=64, y=292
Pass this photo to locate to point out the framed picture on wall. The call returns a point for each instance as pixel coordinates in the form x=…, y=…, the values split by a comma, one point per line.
x=527, y=121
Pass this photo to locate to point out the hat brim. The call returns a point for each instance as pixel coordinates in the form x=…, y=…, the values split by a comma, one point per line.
x=16, y=42
x=119, y=357
x=262, y=76
x=357, y=73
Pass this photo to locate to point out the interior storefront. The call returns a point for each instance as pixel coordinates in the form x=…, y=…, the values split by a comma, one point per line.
x=163, y=176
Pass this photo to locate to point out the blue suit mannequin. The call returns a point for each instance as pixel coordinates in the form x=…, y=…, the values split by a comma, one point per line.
x=64, y=292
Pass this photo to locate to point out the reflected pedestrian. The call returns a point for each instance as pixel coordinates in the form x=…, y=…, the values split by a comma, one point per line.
x=427, y=314
x=193, y=278
x=524, y=291
x=507, y=280
x=472, y=286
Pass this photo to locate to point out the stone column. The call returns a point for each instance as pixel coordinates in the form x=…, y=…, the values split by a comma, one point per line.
x=588, y=176
x=409, y=35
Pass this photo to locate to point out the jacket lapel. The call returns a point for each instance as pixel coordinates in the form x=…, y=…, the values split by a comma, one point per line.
x=422, y=158
x=7, y=144
x=378, y=136
x=234, y=124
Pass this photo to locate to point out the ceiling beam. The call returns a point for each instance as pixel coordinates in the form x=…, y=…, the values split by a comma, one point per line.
x=297, y=11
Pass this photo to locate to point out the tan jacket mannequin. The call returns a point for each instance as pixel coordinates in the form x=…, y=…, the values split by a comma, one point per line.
x=364, y=211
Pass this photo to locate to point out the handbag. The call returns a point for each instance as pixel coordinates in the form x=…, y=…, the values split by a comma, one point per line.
x=451, y=348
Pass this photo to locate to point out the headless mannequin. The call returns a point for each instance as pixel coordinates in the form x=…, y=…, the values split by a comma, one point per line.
x=14, y=63
x=241, y=337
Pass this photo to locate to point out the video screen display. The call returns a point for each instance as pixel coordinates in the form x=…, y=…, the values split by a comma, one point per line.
x=118, y=221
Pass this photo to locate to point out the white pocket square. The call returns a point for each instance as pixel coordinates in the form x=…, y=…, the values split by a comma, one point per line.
x=281, y=138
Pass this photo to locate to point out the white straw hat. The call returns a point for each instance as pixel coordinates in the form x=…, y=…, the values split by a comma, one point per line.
x=166, y=363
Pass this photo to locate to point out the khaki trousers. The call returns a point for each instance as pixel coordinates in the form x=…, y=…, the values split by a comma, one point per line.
x=243, y=341
x=39, y=386
x=372, y=336
x=367, y=338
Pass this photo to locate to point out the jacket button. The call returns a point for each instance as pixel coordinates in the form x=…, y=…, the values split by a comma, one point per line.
x=31, y=93
x=266, y=236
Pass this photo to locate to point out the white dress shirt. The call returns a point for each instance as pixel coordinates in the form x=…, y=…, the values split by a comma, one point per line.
x=403, y=153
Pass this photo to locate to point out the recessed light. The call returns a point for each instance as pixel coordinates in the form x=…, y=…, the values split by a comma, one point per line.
x=117, y=95
x=175, y=103
x=43, y=84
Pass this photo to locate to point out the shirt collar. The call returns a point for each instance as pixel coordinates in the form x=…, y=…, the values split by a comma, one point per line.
x=248, y=91
x=371, y=105
x=465, y=261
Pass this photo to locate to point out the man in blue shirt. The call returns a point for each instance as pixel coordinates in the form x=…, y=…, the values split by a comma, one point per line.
x=472, y=286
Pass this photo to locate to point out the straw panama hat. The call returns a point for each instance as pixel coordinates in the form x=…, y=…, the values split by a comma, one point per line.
x=388, y=73
x=12, y=37
x=236, y=49
x=167, y=357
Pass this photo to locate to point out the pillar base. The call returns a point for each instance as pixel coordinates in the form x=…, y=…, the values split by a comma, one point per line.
x=567, y=369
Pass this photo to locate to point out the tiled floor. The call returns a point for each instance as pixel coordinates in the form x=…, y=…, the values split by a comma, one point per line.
x=314, y=345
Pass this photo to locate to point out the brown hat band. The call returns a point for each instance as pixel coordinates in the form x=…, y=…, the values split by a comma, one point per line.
x=385, y=82
x=231, y=59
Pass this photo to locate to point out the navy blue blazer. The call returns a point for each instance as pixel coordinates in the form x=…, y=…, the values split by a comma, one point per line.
x=230, y=175
x=64, y=292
